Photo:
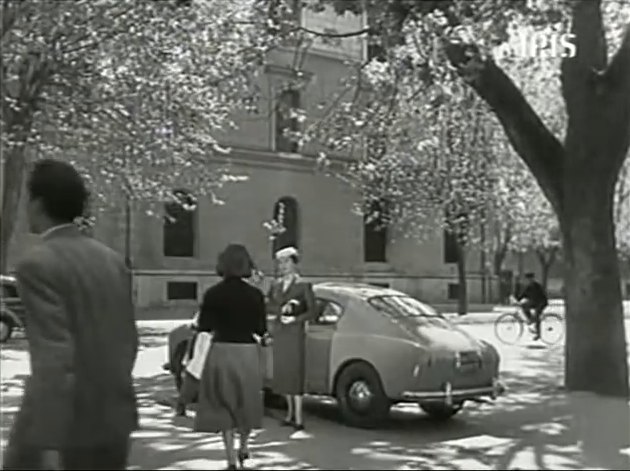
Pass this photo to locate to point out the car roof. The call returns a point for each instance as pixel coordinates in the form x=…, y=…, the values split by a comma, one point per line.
x=357, y=290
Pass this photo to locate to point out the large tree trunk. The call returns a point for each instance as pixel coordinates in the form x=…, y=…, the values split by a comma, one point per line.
x=20, y=100
x=578, y=179
x=13, y=176
x=596, y=340
x=462, y=291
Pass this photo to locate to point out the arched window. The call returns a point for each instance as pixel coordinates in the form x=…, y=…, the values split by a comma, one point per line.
x=287, y=101
x=180, y=225
x=286, y=212
x=375, y=233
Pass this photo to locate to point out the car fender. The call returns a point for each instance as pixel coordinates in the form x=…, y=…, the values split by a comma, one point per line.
x=393, y=358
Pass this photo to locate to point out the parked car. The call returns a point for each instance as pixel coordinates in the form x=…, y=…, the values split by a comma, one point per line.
x=11, y=308
x=373, y=347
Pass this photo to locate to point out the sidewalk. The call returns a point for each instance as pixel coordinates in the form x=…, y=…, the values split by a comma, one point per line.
x=490, y=316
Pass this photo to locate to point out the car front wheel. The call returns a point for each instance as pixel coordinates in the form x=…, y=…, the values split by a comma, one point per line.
x=441, y=411
x=360, y=395
x=6, y=329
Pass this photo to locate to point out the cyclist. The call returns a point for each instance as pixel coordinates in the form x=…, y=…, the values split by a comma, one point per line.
x=533, y=301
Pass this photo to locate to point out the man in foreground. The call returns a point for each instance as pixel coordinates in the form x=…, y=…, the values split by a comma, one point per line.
x=79, y=405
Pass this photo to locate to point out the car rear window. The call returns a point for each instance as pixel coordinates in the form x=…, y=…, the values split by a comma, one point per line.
x=407, y=307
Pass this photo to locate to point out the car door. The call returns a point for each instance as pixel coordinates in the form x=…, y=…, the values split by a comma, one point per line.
x=319, y=336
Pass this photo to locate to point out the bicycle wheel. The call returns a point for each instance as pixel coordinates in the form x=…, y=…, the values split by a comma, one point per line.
x=509, y=328
x=551, y=328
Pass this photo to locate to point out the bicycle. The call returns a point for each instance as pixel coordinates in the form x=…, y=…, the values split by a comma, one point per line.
x=510, y=327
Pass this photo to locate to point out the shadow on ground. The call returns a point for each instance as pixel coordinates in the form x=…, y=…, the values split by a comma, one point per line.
x=535, y=426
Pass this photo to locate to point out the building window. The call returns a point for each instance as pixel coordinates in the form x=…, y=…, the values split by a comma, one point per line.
x=286, y=123
x=453, y=291
x=451, y=253
x=179, y=226
x=286, y=212
x=181, y=290
x=375, y=233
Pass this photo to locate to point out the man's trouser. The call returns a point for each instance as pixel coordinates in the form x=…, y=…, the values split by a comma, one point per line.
x=533, y=312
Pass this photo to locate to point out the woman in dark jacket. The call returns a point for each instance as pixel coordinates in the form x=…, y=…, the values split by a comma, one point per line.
x=230, y=389
x=292, y=302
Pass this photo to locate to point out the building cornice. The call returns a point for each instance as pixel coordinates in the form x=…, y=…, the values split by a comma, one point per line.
x=266, y=158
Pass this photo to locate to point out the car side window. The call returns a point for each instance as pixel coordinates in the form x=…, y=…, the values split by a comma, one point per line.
x=328, y=312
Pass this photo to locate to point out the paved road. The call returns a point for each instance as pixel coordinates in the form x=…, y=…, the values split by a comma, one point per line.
x=535, y=426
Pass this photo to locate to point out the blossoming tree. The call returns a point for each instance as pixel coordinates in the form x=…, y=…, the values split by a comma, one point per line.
x=577, y=173
x=136, y=94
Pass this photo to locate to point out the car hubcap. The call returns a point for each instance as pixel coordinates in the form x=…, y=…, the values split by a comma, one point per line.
x=360, y=395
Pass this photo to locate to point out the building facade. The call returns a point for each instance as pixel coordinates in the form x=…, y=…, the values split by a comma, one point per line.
x=174, y=258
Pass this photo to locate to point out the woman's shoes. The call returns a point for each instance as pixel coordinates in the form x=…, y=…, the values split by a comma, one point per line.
x=180, y=410
x=291, y=423
x=242, y=457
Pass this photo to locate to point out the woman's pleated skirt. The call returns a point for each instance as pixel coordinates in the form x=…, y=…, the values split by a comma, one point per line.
x=230, y=389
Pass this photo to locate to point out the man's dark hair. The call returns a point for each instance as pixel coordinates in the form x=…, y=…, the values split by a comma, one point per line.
x=60, y=188
x=235, y=262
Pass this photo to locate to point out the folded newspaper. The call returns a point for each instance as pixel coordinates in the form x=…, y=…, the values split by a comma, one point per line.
x=200, y=352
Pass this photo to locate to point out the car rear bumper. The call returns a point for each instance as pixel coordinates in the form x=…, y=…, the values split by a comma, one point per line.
x=449, y=395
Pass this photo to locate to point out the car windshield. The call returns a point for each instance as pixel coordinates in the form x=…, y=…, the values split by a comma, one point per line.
x=407, y=307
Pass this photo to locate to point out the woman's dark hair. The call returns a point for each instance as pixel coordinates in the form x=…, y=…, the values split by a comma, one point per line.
x=235, y=262
x=60, y=189
x=295, y=259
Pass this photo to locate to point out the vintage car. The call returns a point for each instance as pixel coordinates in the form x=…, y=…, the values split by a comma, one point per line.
x=372, y=347
x=11, y=308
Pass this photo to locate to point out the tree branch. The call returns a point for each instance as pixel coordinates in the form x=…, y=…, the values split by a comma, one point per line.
x=536, y=145
x=590, y=59
x=618, y=72
x=617, y=81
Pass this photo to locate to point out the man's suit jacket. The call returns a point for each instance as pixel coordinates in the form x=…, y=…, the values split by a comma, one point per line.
x=83, y=342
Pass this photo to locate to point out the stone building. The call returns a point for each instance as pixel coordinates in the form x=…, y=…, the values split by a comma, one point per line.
x=173, y=262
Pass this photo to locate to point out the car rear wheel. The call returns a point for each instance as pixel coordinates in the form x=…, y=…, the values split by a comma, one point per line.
x=362, y=400
x=6, y=329
x=440, y=410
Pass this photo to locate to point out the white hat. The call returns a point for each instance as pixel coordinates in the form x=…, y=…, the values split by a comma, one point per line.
x=287, y=252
